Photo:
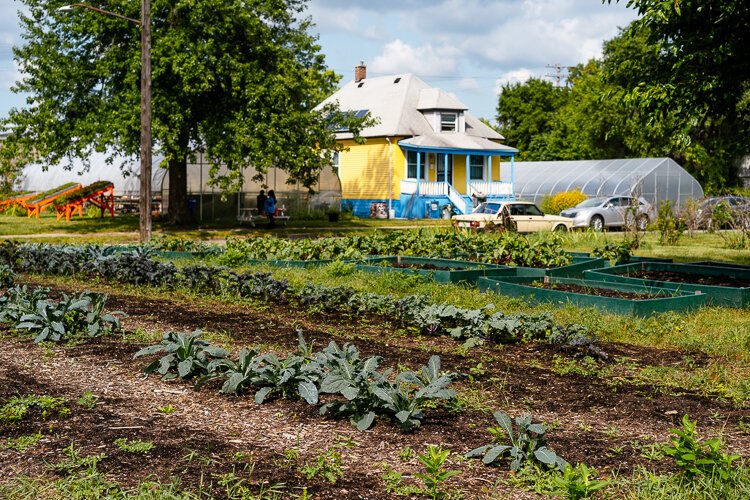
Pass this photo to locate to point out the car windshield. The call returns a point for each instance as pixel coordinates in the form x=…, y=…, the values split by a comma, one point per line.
x=488, y=208
x=593, y=202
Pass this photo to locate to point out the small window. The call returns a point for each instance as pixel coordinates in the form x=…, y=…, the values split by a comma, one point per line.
x=476, y=169
x=448, y=122
x=411, y=165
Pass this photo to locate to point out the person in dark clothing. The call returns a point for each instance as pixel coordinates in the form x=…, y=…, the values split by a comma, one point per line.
x=261, y=199
x=269, y=206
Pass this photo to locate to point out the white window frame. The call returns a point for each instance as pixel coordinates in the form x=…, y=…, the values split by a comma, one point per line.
x=445, y=125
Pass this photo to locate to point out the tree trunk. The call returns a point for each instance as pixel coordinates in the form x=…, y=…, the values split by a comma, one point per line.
x=178, y=204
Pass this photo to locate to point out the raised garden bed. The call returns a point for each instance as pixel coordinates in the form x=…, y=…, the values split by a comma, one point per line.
x=290, y=263
x=724, y=286
x=441, y=270
x=615, y=298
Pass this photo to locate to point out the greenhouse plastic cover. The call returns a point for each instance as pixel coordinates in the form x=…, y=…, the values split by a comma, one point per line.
x=126, y=179
x=654, y=179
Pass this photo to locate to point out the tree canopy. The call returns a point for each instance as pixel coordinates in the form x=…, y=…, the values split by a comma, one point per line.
x=676, y=82
x=239, y=79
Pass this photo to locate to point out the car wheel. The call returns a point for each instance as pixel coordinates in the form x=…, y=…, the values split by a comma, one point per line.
x=561, y=228
x=642, y=222
x=597, y=223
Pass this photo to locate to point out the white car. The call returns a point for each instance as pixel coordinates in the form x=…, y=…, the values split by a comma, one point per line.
x=525, y=216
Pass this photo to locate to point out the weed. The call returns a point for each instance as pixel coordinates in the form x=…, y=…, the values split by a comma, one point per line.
x=166, y=410
x=406, y=454
x=134, y=445
x=23, y=443
x=435, y=475
x=394, y=483
x=88, y=400
x=575, y=482
x=327, y=465
x=75, y=461
x=696, y=457
x=17, y=408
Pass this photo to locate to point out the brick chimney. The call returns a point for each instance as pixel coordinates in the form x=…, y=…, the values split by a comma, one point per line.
x=360, y=72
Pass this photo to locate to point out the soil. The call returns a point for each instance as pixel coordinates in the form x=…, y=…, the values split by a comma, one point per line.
x=599, y=292
x=680, y=277
x=603, y=422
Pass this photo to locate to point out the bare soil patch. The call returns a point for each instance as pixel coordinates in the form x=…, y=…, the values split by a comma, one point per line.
x=699, y=279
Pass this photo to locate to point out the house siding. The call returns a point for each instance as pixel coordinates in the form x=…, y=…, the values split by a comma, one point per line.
x=364, y=169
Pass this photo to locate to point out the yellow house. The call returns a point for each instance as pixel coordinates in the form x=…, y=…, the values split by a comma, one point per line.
x=426, y=150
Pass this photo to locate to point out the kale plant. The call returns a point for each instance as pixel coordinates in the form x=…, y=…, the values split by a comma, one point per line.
x=258, y=285
x=186, y=355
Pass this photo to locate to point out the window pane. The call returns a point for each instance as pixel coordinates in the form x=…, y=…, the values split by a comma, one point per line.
x=411, y=165
x=447, y=122
x=476, y=170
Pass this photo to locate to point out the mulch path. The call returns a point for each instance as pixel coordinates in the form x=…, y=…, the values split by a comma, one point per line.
x=593, y=421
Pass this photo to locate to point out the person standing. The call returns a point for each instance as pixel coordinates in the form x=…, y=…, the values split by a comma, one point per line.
x=269, y=206
x=261, y=199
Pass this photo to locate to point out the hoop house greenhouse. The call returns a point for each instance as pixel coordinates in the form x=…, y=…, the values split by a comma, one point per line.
x=655, y=179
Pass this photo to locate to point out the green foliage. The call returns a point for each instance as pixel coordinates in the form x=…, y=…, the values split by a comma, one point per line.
x=17, y=408
x=258, y=65
x=435, y=475
x=46, y=194
x=134, y=445
x=526, y=444
x=80, y=194
x=74, y=461
x=23, y=443
x=327, y=465
x=698, y=457
x=69, y=318
x=88, y=400
x=7, y=276
x=576, y=482
x=616, y=253
x=187, y=356
x=670, y=227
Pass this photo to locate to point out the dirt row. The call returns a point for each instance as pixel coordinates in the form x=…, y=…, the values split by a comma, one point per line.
x=593, y=422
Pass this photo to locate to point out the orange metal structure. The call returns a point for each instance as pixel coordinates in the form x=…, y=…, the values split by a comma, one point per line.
x=35, y=209
x=103, y=198
x=20, y=199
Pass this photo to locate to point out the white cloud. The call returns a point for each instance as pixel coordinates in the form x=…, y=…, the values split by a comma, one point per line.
x=427, y=60
x=519, y=75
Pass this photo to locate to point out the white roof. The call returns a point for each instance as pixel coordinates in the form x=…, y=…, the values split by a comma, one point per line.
x=396, y=102
x=453, y=140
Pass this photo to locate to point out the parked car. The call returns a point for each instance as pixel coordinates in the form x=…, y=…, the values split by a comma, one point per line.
x=738, y=205
x=608, y=211
x=523, y=215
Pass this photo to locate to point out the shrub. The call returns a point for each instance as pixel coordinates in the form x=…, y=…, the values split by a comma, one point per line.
x=560, y=201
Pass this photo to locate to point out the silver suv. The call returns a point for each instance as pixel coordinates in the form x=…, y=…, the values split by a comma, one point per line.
x=610, y=211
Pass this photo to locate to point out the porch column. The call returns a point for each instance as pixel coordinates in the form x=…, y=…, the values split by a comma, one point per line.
x=512, y=175
x=468, y=181
x=445, y=172
x=419, y=170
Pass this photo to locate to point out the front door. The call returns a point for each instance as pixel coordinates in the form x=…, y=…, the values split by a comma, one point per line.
x=444, y=170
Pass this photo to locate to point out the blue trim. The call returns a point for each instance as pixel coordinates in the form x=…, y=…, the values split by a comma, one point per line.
x=478, y=152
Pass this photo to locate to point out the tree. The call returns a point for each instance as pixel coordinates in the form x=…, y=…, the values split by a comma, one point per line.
x=525, y=111
x=701, y=77
x=239, y=79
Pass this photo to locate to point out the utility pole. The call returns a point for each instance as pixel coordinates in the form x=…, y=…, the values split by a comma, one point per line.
x=558, y=75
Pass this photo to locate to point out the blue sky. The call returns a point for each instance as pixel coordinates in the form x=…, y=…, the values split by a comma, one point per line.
x=467, y=47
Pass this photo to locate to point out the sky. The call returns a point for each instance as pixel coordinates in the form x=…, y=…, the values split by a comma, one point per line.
x=469, y=48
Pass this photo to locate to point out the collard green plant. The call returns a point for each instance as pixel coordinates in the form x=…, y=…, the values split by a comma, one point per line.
x=186, y=355
x=524, y=443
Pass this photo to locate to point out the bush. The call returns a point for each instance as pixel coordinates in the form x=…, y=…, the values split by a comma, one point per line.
x=556, y=203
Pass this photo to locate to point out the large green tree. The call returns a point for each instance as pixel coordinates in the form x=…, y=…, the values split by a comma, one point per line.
x=525, y=112
x=701, y=77
x=238, y=79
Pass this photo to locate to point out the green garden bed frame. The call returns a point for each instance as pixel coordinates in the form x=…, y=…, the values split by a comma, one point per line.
x=464, y=271
x=717, y=295
x=521, y=287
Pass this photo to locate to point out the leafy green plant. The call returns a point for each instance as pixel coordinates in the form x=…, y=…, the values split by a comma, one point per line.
x=327, y=465
x=238, y=374
x=134, y=445
x=698, y=457
x=404, y=404
x=166, y=410
x=74, y=461
x=526, y=444
x=88, y=400
x=616, y=253
x=187, y=356
x=23, y=443
x=576, y=482
x=435, y=475
x=17, y=407
x=670, y=227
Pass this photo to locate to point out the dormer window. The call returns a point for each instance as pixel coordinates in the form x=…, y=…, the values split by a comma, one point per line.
x=448, y=122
